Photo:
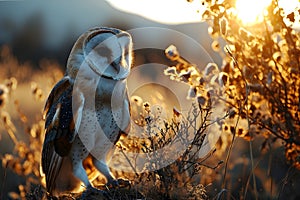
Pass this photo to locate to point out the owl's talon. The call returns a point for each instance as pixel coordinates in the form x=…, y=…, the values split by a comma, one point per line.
x=95, y=190
x=124, y=183
x=113, y=184
x=118, y=183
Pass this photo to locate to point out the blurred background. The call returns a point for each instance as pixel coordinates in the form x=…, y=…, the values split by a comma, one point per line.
x=35, y=40
x=38, y=29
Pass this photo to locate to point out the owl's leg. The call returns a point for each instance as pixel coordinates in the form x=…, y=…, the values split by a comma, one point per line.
x=80, y=173
x=103, y=168
x=79, y=153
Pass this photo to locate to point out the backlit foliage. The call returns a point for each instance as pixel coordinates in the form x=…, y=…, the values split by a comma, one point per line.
x=262, y=62
x=180, y=178
x=25, y=130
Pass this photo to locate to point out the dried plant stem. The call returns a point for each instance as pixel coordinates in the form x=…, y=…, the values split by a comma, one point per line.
x=12, y=136
x=285, y=181
x=252, y=166
x=250, y=144
x=228, y=154
x=128, y=160
x=247, y=89
x=236, y=124
x=248, y=182
x=9, y=127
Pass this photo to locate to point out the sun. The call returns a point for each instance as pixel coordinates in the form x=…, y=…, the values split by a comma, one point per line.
x=251, y=12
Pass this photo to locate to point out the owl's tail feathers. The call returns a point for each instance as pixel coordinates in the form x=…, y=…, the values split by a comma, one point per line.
x=56, y=163
x=51, y=165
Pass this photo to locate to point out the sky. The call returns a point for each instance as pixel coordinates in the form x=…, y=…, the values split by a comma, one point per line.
x=38, y=29
x=59, y=17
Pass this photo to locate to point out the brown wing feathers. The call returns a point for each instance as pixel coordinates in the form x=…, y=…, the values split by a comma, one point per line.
x=59, y=130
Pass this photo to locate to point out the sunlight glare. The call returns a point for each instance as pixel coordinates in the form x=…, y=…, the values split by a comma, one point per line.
x=166, y=11
x=180, y=11
x=289, y=5
x=251, y=12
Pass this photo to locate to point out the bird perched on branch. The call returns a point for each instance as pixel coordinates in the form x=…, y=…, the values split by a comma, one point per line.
x=87, y=110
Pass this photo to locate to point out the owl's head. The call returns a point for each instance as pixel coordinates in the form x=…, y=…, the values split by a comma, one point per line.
x=106, y=51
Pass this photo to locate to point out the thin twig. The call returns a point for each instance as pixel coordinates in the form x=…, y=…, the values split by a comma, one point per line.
x=284, y=181
x=126, y=157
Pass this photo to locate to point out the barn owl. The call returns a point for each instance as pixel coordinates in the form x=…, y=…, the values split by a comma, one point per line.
x=87, y=110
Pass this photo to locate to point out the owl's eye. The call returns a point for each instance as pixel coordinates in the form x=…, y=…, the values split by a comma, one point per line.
x=104, y=51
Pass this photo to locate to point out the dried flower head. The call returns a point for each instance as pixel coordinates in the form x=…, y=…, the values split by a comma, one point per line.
x=172, y=53
x=211, y=68
x=37, y=91
x=215, y=45
x=192, y=93
x=136, y=100
x=147, y=106
x=223, y=26
x=11, y=83
x=3, y=95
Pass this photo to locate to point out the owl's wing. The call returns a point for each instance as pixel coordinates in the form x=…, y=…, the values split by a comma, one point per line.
x=60, y=129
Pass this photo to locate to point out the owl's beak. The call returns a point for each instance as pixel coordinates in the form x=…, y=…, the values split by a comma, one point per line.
x=116, y=66
x=122, y=72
